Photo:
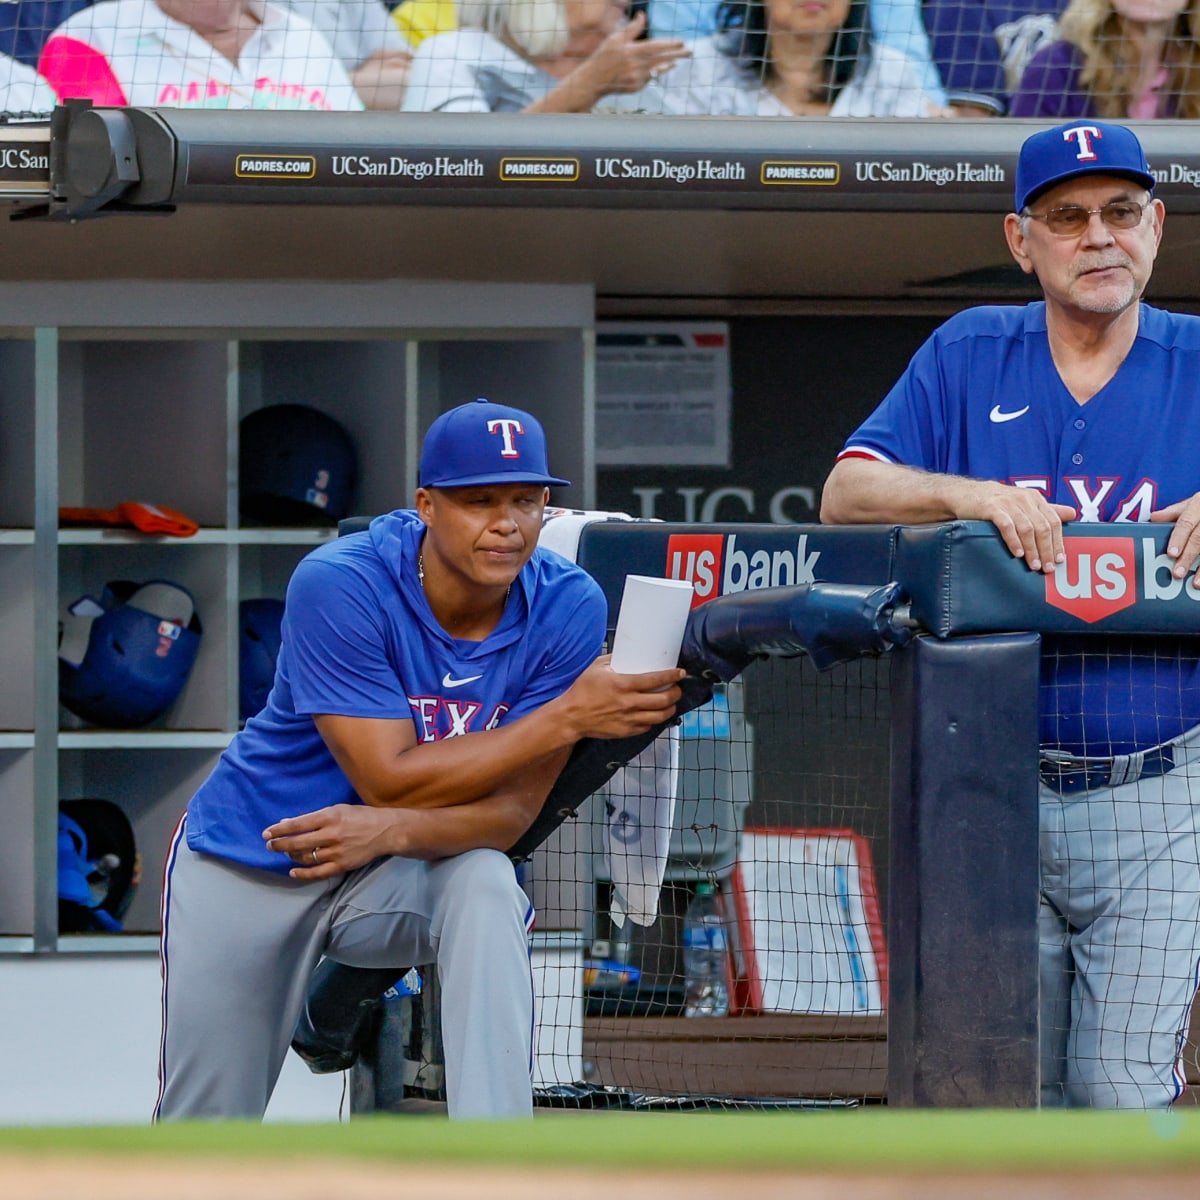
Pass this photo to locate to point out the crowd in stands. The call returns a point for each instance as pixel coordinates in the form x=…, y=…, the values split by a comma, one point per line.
x=1116, y=59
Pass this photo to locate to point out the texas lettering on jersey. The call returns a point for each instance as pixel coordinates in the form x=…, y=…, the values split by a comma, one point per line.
x=437, y=718
x=1100, y=499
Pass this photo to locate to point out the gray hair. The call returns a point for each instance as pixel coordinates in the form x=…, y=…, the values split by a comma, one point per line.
x=539, y=27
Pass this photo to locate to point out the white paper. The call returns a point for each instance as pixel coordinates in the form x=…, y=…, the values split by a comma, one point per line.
x=650, y=624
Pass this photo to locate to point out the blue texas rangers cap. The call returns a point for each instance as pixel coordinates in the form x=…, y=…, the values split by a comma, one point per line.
x=484, y=442
x=1078, y=148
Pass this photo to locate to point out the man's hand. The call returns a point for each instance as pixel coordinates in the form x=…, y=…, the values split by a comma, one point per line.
x=602, y=703
x=344, y=836
x=620, y=63
x=1184, y=544
x=1030, y=525
x=624, y=64
x=382, y=79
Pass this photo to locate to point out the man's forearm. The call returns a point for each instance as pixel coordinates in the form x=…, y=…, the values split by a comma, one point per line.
x=388, y=767
x=432, y=833
x=862, y=491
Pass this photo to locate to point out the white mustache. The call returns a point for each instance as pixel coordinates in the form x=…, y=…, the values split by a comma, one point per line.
x=1100, y=264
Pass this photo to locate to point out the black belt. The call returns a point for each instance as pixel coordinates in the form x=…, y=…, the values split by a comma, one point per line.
x=1071, y=776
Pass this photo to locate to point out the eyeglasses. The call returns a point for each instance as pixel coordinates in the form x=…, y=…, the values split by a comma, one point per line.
x=1072, y=219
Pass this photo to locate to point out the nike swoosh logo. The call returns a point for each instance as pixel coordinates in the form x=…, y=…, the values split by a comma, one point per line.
x=447, y=682
x=1000, y=417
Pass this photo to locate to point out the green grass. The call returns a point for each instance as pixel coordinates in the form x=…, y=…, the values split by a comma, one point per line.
x=866, y=1139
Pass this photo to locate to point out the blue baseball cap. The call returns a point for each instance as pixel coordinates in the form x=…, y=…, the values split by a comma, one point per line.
x=482, y=443
x=1079, y=148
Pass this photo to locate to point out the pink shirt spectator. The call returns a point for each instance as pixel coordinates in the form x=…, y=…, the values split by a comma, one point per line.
x=130, y=52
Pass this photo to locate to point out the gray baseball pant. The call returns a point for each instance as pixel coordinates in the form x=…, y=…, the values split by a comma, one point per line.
x=239, y=945
x=1119, y=933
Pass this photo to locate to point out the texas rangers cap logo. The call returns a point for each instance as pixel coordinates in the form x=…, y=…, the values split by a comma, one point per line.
x=508, y=428
x=1082, y=136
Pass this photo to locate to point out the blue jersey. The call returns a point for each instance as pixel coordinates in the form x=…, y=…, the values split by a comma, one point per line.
x=983, y=398
x=360, y=640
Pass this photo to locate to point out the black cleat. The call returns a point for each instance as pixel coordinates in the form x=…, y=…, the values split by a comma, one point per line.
x=340, y=1015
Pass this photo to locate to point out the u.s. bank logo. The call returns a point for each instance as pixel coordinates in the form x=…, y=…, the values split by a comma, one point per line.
x=715, y=566
x=696, y=557
x=1098, y=579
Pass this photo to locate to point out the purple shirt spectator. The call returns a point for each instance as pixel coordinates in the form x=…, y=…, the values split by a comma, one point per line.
x=1050, y=86
x=981, y=46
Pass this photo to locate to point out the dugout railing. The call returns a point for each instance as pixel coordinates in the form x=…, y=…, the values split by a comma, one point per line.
x=962, y=1012
x=955, y=829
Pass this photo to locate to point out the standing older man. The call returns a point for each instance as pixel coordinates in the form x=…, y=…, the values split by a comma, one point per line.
x=1078, y=406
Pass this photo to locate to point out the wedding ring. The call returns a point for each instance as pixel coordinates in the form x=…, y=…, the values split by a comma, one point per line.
x=314, y=854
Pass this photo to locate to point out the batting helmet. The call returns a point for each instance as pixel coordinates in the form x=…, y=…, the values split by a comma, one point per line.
x=98, y=867
x=124, y=660
x=298, y=466
x=258, y=648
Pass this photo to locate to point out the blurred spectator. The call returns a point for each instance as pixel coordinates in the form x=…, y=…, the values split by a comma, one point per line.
x=778, y=58
x=538, y=56
x=895, y=23
x=687, y=19
x=1134, y=59
x=981, y=47
x=22, y=89
x=26, y=24
x=901, y=25
x=419, y=19
x=195, y=54
x=368, y=44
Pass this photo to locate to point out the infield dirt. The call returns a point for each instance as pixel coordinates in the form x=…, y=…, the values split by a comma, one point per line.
x=114, y=1178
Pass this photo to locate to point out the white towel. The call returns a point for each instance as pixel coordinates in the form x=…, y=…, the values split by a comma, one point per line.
x=640, y=797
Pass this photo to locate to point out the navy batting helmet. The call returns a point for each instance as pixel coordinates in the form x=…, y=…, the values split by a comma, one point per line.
x=298, y=466
x=124, y=660
x=98, y=867
x=259, y=638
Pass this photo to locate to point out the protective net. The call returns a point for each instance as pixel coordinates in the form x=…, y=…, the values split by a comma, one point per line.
x=844, y=58
x=781, y=811
x=1119, y=925
x=757, y=976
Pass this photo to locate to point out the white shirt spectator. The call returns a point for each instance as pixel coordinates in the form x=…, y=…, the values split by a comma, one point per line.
x=714, y=84
x=355, y=29
x=472, y=71
x=22, y=89
x=130, y=52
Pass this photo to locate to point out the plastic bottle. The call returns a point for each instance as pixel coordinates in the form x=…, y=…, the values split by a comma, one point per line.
x=704, y=956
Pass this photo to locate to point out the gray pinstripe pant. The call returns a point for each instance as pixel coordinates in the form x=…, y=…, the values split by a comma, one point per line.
x=1119, y=932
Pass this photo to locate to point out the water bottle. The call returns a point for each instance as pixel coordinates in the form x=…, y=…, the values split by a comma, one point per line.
x=704, y=956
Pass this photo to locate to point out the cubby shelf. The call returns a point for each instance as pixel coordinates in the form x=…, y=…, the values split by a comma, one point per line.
x=147, y=408
x=134, y=739
x=203, y=537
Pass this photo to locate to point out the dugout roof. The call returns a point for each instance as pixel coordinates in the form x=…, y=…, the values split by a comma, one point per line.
x=710, y=213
